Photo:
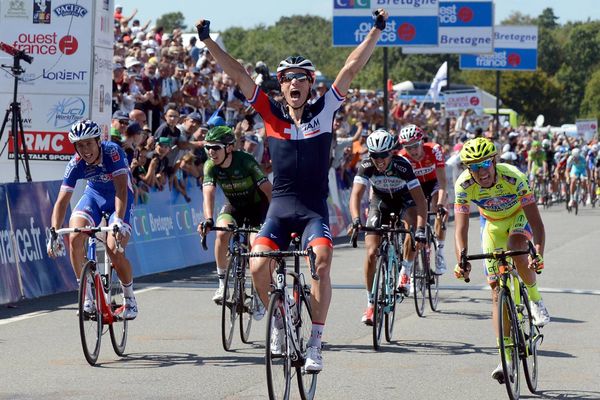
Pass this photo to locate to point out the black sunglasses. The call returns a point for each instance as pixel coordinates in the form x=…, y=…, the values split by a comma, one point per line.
x=290, y=76
x=384, y=154
x=215, y=147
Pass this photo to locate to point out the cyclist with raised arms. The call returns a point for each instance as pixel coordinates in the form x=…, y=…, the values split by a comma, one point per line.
x=247, y=189
x=396, y=189
x=299, y=137
x=427, y=161
x=108, y=191
x=509, y=218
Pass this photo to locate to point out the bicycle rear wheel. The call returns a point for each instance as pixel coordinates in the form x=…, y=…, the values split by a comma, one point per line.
x=379, y=300
x=419, y=277
x=307, y=383
x=390, y=316
x=277, y=360
x=90, y=322
x=433, y=279
x=247, y=298
x=530, y=343
x=509, y=344
x=230, y=305
x=118, y=328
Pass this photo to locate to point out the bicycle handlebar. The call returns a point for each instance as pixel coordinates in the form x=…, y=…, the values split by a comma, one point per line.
x=229, y=228
x=91, y=231
x=495, y=255
x=381, y=229
x=309, y=252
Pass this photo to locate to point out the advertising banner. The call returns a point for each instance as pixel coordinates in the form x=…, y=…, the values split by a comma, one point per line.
x=459, y=101
x=10, y=288
x=410, y=22
x=30, y=206
x=464, y=27
x=515, y=49
x=588, y=128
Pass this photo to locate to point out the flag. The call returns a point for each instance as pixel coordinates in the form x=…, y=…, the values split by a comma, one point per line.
x=441, y=79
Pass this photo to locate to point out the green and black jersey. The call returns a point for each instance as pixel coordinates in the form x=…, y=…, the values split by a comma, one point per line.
x=239, y=181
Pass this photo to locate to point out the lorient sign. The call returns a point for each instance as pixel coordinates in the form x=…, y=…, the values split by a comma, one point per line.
x=515, y=49
x=465, y=27
x=411, y=22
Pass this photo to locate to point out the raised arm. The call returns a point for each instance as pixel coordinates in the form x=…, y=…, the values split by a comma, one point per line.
x=361, y=54
x=230, y=65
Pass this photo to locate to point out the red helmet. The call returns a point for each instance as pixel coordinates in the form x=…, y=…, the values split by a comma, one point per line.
x=410, y=133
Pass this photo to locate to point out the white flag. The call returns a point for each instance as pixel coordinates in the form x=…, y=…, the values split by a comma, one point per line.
x=441, y=79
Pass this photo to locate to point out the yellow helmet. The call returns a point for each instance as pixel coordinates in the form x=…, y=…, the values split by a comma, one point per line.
x=477, y=149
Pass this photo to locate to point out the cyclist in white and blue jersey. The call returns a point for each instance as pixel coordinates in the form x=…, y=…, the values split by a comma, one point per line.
x=577, y=169
x=108, y=192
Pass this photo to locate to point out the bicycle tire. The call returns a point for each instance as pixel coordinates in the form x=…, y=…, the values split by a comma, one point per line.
x=248, y=304
x=419, y=284
x=529, y=343
x=509, y=351
x=90, y=324
x=379, y=300
x=278, y=366
x=390, y=316
x=307, y=383
x=118, y=328
x=433, y=280
x=230, y=304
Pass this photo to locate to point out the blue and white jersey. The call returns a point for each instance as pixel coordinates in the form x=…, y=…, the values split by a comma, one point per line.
x=99, y=177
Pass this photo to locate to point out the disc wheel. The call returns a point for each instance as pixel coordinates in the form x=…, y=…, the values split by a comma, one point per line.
x=90, y=322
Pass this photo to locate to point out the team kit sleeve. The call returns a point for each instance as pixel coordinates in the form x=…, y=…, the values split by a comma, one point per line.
x=72, y=174
x=119, y=161
x=408, y=174
x=461, y=196
x=438, y=156
x=209, y=174
x=257, y=174
x=524, y=192
x=361, y=175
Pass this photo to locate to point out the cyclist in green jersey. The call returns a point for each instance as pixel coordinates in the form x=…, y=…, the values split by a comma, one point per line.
x=247, y=189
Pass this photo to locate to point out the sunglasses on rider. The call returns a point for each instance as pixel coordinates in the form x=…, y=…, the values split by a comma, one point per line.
x=290, y=76
x=215, y=147
x=376, y=156
x=413, y=145
x=480, y=165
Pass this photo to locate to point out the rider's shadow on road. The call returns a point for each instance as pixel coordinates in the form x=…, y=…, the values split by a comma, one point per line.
x=162, y=360
x=440, y=348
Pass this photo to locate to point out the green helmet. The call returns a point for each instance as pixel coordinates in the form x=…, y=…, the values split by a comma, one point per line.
x=220, y=134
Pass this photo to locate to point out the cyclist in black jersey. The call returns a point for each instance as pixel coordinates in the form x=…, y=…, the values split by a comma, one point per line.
x=247, y=189
x=299, y=139
x=395, y=188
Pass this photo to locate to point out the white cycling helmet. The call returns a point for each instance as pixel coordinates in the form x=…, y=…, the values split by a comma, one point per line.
x=296, y=62
x=84, y=129
x=575, y=152
x=380, y=141
x=410, y=133
x=546, y=143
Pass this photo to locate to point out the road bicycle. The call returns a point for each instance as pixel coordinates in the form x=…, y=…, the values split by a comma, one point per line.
x=295, y=310
x=239, y=298
x=100, y=285
x=425, y=280
x=521, y=338
x=578, y=197
x=385, y=293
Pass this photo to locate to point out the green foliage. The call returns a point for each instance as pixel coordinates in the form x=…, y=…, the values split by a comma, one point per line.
x=568, y=63
x=171, y=21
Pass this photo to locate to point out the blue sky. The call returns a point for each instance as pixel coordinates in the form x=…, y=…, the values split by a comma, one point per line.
x=247, y=14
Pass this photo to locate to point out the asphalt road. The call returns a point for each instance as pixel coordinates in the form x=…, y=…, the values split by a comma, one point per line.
x=174, y=348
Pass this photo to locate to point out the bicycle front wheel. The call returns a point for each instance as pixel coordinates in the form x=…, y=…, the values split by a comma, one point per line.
x=419, y=277
x=509, y=344
x=230, y=304
x=90, y=314
x=433, y=280
x=247, y=297
x=379, y=300
x=390, y=316
x=118, y=328
x=530, y=340
x=277, y=354
x=307, y=383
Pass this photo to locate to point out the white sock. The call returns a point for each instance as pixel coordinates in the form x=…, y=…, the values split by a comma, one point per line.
x=315, y=335
x=221, y=273
x=128, y=289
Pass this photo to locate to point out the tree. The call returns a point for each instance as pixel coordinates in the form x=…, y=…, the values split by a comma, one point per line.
x=517, y=18
x=547, y=19
x=172, y=20
x=590, y=106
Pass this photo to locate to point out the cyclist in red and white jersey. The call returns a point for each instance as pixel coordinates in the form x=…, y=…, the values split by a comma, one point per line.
x=299, y=137
x=427, y=160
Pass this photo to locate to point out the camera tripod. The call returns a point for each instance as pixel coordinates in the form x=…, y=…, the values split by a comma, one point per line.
x=16, y=131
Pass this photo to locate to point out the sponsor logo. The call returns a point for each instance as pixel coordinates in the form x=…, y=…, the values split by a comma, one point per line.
x=45, y=44
x=388, y=35
x=497, y=203
x=407, y=32
x=41, y=11
x=465, y=14
x=70, y=10
x=47, y=146
x=26, y=109
x=64, y=75
x=499, y=59
x=16, y=9
x=351, y=4
x=66, y=112
x=102, y=64
x=514, y=60
x=474, y=100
